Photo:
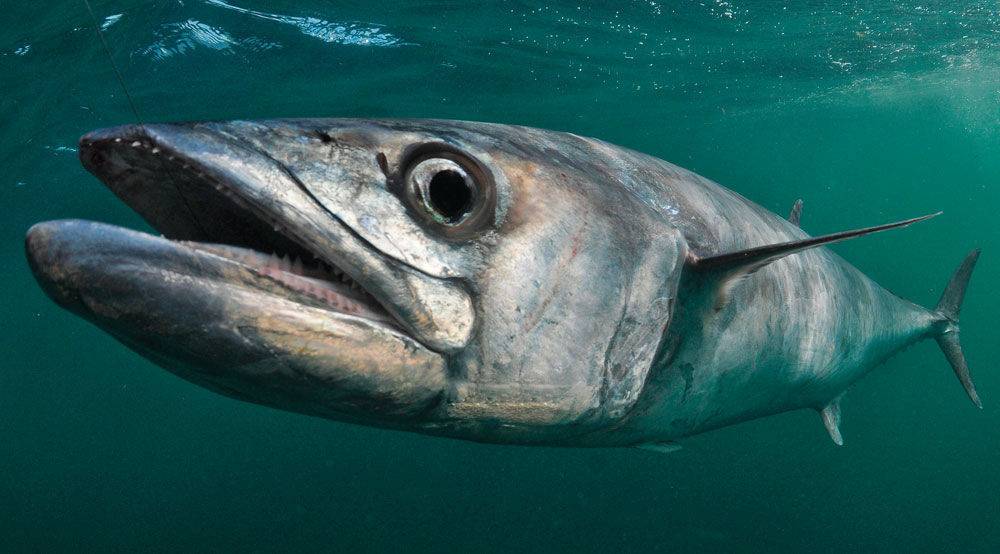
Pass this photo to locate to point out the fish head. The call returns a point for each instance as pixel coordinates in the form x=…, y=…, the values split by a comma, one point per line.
x=487, y=282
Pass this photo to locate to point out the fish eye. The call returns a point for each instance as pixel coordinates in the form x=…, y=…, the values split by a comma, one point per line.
x=448, y=193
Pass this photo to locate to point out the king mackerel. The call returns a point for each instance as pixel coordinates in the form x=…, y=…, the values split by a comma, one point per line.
x=486, y=282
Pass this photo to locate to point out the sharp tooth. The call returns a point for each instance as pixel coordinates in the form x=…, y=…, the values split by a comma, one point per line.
x=297, y=265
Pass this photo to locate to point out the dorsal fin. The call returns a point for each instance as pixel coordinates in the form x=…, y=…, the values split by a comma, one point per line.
x=795, y=216
x=831, y=420
x=731, y=268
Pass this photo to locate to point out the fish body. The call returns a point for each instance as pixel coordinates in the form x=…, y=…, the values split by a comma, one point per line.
x=487, y=282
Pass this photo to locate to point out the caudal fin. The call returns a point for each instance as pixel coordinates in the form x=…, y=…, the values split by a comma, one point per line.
x=948, y=309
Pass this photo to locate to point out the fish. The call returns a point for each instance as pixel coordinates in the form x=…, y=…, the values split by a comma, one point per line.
x=479, y=281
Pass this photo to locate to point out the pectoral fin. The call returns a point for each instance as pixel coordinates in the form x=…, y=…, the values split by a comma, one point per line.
x=831, y=420
x=665, y=447
x=731, y=268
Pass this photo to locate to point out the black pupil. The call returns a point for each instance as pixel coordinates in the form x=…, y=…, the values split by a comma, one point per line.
x=449, y=194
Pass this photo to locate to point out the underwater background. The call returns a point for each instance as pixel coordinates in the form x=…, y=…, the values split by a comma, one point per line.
x=869, y=111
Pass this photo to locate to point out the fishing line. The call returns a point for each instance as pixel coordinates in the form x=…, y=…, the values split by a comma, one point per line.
x=135, y=111
x=114, y=66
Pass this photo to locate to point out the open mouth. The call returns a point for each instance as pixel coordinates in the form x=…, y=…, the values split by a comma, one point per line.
x=255, y=289
x=320, y=284
x=237, y=223
x=196, y=207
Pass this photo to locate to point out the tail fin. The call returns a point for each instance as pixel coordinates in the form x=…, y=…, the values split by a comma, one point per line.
x=948, y=309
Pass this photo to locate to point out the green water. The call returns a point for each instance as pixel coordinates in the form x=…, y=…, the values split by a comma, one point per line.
x=868, y=113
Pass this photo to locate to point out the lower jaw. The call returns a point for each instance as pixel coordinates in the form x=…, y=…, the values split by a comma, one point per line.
x=75, y=260
x=220, y=325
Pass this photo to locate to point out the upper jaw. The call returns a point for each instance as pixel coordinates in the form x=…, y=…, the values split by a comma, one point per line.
x=195, y=183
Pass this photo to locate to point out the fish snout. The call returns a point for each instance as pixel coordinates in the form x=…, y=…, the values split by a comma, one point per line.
x=54, y=262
